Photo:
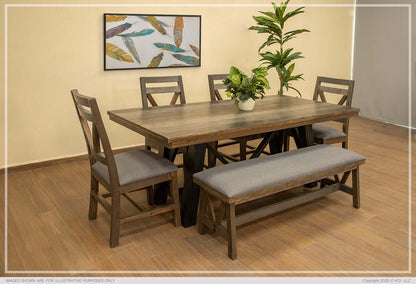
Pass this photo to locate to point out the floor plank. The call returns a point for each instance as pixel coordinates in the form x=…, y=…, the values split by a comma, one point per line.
x=48, y=228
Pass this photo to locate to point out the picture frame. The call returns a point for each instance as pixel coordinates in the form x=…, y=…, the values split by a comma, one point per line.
x=148, y=41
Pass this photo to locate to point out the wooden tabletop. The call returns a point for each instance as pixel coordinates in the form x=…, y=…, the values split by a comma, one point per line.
x=196, y=123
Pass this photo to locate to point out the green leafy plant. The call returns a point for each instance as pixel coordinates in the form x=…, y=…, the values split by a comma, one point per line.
x=273, y=23
x=240, y=87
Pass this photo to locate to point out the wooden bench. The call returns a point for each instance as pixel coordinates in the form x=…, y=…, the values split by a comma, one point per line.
x=245, y=181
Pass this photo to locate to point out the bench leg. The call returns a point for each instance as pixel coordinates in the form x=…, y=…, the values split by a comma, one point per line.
x=203, y=202
x=356, y=188
x=231, y=231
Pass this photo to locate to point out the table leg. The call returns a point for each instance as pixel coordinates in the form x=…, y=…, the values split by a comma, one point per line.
x=193, y=162
x=304, y=136
x=276, y=142
x=212, y=160
x=266, y=141
x=161, y=190
x=305, y=139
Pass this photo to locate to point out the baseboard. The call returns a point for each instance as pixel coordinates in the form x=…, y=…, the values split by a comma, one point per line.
x=48, y=163
x=388, y=122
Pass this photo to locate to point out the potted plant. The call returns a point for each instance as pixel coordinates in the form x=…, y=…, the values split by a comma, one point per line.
x=273, y=23
x=245, y=90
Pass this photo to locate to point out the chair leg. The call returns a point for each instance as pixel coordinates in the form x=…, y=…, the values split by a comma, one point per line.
x=174, y=193
x=231, y=231
x=115, y=219
x=345, y=144
x=92, y=213
x=356, y=188
x=150, y=194
x=203, y=198
x=148, y=147
x=243, y=150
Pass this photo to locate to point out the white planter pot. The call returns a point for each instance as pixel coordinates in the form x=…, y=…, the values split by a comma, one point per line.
x=246, y=105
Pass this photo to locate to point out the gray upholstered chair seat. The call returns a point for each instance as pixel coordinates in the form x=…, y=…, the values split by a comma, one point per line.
x=136, y=165
x=244, y=177
x=326, y=132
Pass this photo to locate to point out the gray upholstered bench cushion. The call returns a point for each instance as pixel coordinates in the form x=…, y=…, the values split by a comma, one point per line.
x=243, y=177
x=136, y=165
x=326, y=132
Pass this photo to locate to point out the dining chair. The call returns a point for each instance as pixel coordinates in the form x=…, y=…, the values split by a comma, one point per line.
x=323, y=134
x=215, y=82
x=167, y=85
x=342, y=89
x=163, y=86
x=123, y=173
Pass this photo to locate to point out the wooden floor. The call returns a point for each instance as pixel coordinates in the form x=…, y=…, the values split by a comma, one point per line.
x=49, y=234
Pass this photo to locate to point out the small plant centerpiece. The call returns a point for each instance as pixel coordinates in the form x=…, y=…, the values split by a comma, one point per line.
x=272, y=24
x=245, y=90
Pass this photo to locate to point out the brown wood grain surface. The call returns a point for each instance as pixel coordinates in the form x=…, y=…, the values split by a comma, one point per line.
x=196, y=123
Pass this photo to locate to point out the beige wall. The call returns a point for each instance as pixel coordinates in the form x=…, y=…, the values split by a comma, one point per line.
x=52, y=50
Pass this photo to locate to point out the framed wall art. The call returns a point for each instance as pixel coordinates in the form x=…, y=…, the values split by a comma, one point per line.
x=141, y=41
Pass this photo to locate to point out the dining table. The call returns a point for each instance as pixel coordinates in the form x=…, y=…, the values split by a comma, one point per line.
x=193, y=127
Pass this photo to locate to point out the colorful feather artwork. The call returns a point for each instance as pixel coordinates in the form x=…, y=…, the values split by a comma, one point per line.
x=130, y=45
x=140, y=41
x=195, y=49
x=117, y=30
x=155, y=23
x=114, y=18
x=177, y=31
x=168, y=47
x=187, y=59
x=156, y=60
x=162, y=23
x=178, y=65
x=141, y=33
x=117, y=53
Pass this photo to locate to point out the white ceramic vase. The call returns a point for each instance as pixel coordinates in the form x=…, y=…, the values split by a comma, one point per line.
x=246, y=105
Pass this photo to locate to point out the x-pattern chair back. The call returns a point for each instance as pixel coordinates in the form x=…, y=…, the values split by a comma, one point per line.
x=332, y=87
x=215, y=86
x=148, y=91
x=345, y=89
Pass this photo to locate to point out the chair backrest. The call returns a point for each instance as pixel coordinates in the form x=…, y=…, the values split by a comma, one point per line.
x=325, y=86
x=176, y=89
x=215, y=86
x=344, y=89
x=96, y=135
